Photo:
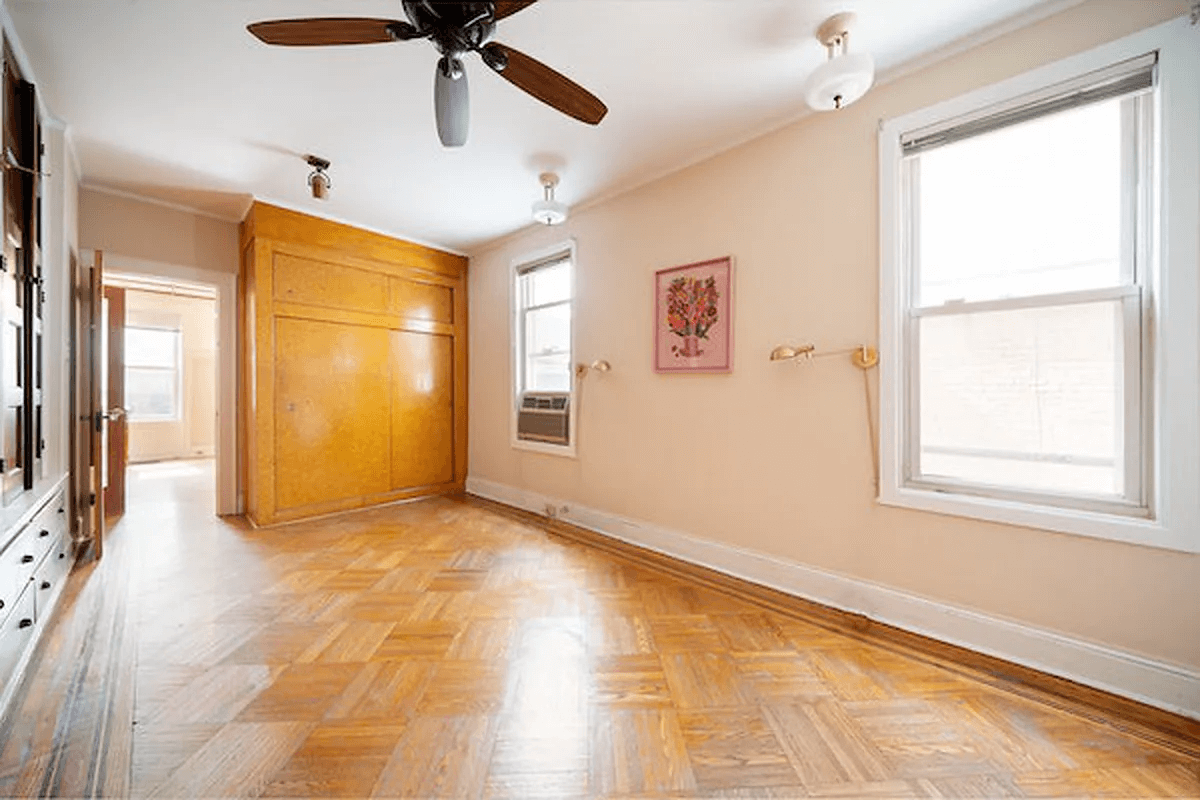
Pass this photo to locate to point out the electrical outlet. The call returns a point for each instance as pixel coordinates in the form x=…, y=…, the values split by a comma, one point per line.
x=550, y=510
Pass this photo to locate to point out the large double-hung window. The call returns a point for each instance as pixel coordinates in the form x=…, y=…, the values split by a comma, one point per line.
x=1026, y=268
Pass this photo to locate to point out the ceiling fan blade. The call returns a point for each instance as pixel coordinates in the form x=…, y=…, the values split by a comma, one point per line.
x=315, y=31
x=552, y=88
x=451, y=103
x=506, y=8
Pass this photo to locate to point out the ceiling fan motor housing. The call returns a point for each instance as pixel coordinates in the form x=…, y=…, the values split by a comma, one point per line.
x=454, y=28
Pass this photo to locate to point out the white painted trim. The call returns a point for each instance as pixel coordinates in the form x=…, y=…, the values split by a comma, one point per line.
x=73, y=154
x=100, y=188
x=229, y=500
x=1173, y=283
x=1160, y=684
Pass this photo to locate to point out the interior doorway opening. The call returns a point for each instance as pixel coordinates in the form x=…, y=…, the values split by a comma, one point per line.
x=159, y=369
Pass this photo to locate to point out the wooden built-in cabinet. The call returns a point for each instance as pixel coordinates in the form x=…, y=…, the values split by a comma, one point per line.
x=354, y=382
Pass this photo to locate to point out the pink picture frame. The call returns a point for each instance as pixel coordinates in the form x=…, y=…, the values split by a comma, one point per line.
x=693, y=317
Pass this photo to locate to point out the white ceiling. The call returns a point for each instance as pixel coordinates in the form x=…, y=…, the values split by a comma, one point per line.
x=174, y=100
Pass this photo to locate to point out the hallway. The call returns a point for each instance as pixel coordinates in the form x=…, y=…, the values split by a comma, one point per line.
x=446, y=648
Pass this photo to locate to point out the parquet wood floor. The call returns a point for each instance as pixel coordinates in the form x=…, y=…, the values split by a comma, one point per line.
x=443, y=649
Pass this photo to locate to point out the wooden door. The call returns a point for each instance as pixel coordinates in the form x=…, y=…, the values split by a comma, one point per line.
x=331, y=415
x=422, y=435
x=117, y=421
x=87, y=498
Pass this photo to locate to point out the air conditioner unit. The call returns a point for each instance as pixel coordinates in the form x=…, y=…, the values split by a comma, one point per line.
x=544, y=417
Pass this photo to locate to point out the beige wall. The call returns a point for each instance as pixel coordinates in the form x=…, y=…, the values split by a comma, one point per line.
x=194, y=433
x=782, y=465
x=151, y=232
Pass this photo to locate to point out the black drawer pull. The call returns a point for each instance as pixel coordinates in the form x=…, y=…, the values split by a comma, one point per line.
x=45, y=584
x=1, y=604
x=43, y=533
x=26, y=559
x=62, y=510
x=62, y=555
x=25, y=623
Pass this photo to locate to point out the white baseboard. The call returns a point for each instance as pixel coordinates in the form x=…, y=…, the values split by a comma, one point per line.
x=1160, y=684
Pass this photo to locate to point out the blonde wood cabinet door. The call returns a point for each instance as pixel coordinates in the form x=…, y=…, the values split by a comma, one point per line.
x=332, y=412
x=422, y=409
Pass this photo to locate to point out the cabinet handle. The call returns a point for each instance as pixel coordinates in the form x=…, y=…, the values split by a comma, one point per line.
x=1, y=604
x=45, y=584
x=62, y=555
x=25, y=623
x=62, y=510
x=26, y=559
x=43, y=533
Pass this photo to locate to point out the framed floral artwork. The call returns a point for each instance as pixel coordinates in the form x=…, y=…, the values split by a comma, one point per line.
x=693, y=318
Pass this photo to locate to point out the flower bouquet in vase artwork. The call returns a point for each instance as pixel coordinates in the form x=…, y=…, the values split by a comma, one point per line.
x=693, y=331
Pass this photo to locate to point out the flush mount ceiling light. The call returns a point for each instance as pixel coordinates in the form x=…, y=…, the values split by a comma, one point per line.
x=846, y=76
x=549, y=211
x=318, y=179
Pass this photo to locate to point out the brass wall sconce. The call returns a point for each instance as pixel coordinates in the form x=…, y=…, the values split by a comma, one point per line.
x=599, y=365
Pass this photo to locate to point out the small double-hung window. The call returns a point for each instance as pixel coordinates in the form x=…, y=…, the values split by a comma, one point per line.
x=544, y=292
x=1021, y=287
x=152, y=374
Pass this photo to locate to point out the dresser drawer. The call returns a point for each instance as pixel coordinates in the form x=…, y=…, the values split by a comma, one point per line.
x=52, y=518
x=51, y=575
x=29, y=548
x=16, y=632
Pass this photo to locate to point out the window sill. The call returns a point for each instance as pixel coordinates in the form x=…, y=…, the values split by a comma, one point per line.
x=561, y=450
x=1132, y=530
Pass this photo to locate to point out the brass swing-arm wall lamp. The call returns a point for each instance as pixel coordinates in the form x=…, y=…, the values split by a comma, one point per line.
x=600, y=365
x=863, y=356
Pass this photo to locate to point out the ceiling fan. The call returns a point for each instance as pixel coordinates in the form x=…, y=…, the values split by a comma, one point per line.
x=455, y=28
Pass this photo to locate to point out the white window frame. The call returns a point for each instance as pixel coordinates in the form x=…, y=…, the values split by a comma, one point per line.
x=516, y=328
x=1172, y=437
x=177, y=369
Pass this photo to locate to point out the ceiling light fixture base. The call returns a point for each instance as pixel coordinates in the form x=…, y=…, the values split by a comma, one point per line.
x=833, y=30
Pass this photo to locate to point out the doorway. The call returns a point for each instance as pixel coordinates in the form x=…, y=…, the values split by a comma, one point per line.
x=154, y=274
x=160, y=358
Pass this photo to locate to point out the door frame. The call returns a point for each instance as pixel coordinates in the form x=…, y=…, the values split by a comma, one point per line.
x=229, y=495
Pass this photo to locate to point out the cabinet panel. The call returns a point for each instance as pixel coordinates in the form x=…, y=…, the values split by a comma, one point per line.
x=332, y=410
x=415, y=300
x=318, y=283
x=422, y=409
